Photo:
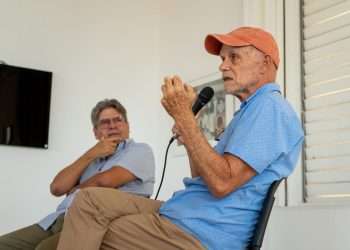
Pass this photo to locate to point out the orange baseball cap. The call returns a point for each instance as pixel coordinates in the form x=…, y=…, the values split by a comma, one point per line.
x=244, y=36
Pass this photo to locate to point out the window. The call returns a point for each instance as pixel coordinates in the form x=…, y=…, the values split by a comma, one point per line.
x=326, y=103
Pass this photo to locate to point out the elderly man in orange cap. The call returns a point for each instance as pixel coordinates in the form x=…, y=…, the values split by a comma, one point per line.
x=220, y=204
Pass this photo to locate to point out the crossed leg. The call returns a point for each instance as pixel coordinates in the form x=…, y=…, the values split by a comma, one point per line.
x=110, y=219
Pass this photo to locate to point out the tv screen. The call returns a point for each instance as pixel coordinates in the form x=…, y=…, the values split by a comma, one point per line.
x=24, y=106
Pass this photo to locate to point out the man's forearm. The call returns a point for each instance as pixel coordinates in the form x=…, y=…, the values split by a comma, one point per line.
x=205, y=162
x=67, y=178
x=95, y=181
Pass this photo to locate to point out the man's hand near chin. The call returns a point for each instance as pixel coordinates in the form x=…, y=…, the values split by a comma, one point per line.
x=105, y=147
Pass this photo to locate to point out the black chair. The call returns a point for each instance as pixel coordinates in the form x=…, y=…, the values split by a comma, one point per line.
x=259, y=232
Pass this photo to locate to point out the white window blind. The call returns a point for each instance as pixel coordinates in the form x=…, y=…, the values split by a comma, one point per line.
x=326, y=53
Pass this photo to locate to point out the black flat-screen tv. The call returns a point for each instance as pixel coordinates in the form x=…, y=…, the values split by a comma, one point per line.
x=25, y=96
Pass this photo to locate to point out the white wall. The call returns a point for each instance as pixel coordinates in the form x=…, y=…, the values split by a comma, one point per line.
x=95, y=49
x=309, y=228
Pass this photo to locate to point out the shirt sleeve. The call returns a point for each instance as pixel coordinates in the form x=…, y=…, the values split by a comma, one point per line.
x=139, y=160
x=267, y=130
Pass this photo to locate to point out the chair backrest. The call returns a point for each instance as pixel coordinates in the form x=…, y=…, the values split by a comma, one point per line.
x=260, y=228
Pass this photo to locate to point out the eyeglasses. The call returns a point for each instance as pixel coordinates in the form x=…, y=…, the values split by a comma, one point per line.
x=107, y=122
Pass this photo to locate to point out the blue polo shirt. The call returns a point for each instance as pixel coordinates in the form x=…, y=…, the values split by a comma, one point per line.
x=266, y=134
x=136, y=157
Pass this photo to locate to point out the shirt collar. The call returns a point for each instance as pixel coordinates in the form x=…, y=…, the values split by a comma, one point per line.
x=269, y=87
x=123, y=144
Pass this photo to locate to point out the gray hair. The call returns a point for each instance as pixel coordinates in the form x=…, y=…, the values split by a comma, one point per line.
x=107, y=103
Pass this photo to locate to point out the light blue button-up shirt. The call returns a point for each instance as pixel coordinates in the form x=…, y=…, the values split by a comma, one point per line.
x=267, y=135
x=136, y=157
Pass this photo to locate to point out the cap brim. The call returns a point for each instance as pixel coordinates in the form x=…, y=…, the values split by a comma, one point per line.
x=214, y=42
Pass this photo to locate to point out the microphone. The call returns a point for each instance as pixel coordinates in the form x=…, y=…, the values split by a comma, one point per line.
x=203, y=98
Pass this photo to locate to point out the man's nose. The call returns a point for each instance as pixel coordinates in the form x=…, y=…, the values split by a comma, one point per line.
x=223, y=65
x=114, y=124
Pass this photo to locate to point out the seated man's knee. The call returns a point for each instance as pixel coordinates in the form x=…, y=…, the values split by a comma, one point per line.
x=93, y=195
x=83, y=196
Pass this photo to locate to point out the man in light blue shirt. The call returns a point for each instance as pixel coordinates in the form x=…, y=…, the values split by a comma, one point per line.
x=219, y=207
x=116, y=161
x=265, y=133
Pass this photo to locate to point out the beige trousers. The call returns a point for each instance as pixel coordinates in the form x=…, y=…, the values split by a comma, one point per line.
x=105, y=218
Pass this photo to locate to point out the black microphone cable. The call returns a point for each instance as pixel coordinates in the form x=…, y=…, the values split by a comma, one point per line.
x=172, y=139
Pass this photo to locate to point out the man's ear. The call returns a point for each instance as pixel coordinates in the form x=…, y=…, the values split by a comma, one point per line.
x=267, y=63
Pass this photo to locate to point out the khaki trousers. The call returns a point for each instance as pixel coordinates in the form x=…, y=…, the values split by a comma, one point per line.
x=105, y=218
x=33, y=237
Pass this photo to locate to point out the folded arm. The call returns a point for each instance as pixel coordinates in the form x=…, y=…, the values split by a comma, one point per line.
x=69, y=177
x=112, y=178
